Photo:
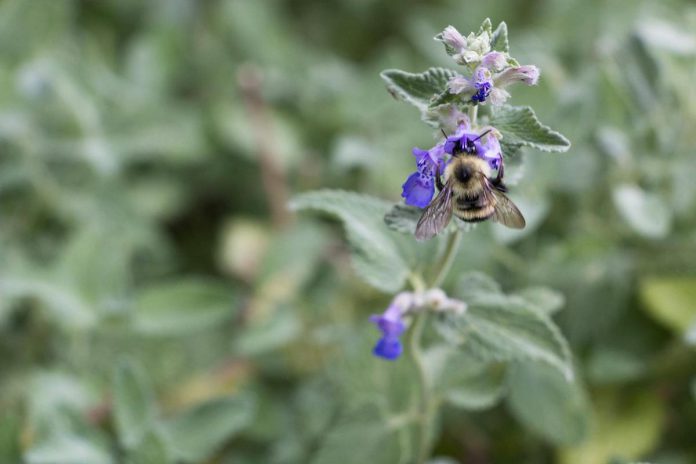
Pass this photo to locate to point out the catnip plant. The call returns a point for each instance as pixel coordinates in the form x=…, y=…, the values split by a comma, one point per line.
x=498, y=335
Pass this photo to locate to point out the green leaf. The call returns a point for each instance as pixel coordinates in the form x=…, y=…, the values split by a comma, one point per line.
x=183, y=306
x=521, y=128
x=542, y=400
x=486, y=26
x=471, y=384
x=645, y=212
x=497, y=327
x=67, y=449
x=359, y=438
x=626, y=426
x=542, y=298
x=375, y=253
x=152, y=449
x=134, y=411
x=499, y=40
x=671, y=301
x=404, y=218
x=417, y=89
x=198, y=433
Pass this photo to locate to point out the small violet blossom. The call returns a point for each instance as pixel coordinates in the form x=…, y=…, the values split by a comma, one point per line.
x=419, y=188
x=484, y=85
x=391, y=323
x=392, y=326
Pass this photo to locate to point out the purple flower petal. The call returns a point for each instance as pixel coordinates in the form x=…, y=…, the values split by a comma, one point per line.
x=388, y=348
x=418, y=189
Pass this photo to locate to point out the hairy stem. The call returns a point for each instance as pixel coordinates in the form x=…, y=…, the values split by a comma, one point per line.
x=427, y=403
x=447, y=259
x=416, y=354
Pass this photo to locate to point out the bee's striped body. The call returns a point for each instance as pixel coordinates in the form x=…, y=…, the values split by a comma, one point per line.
x=469, y=194
x=470, y=201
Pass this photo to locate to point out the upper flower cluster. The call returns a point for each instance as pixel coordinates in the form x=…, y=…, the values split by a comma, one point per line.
x=419, y=188
x=489, y=71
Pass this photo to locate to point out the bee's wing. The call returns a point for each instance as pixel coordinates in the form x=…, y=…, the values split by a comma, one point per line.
x=437, y=215
x=505, y=211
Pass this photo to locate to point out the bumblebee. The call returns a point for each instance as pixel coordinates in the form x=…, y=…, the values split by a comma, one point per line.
x=469, y=193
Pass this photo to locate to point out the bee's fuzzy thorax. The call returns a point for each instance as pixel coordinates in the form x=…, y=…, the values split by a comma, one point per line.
x=474, y=163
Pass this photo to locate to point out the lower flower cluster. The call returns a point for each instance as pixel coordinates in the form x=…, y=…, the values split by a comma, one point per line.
x=392, y=323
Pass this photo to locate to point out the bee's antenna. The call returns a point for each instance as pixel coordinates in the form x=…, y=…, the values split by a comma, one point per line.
x=443, y=132
x=489, y=130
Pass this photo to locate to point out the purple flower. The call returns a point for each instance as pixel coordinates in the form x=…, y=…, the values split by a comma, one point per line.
x=419, y=188
x=487, y=147
x=526, y=74
x=483, y=90
x=390, y=324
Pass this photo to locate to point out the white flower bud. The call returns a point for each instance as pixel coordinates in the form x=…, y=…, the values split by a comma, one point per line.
x=453, y=38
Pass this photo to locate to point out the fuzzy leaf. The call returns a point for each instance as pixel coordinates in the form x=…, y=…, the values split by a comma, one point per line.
x=152, y=449
x=645, y=212
x=360, y=437
x=471, y=384
x=497, y=327
x=486, y=26
x=521, y=128
x=417, y=89
x=134, y=411
x=199, y=432
x=499, y=40
x=182, y=306
x=547, y=404
x=543, y=299
x=404, y=218
x=375, y=253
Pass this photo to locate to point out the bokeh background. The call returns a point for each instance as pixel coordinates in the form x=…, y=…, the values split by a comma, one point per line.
x=158, y=303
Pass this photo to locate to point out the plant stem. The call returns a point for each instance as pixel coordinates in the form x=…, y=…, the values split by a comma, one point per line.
x=426, y=402
x=416, y=355
x=447, y=260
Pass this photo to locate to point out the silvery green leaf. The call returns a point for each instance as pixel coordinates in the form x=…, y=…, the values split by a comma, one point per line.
x=520, y=127
x=417, y=89
x=133, y=403
x=196, y=434
x=152, y=449
x=182, y=306
x=497, y=327
x=645, y=212
x=547, y=404
x=375, y=253
x=66, y=448
x=499, y=39
x=544, y=299
x=486, y=26
x=473, y=284
x=403, y=218
x=471, y=384
x=607, y=365
x=362, y=436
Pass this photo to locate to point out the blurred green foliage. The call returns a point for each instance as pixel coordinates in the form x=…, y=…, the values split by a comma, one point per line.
x=157, y=305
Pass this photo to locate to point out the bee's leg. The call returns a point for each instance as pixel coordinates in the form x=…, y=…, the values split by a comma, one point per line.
x=498, y=181
x=438, y=181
